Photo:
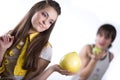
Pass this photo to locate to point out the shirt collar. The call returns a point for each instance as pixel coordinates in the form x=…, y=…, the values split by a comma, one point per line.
x=31, y=36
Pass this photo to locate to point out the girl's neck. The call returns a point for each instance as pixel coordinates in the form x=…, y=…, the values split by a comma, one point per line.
x=31, y=31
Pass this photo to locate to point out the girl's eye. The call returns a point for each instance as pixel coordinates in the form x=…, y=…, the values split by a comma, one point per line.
x=51, y=22
x=44, y=14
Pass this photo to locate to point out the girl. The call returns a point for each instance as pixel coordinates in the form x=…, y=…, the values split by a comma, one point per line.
x=25, y=51
x=95, y=64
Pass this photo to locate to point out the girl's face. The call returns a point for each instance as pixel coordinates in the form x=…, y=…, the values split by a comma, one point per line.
x=102, y=41
x=43, y=19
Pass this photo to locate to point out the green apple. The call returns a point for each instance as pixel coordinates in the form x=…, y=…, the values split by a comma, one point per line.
x=71, y=62
x=96, y=50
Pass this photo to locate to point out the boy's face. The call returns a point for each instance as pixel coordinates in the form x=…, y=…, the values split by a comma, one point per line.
x=102, y=41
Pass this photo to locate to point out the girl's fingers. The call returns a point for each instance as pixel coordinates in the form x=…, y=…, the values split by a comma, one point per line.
x=2, y=38
x=12, y=38
x=7, y=38
x=65, y=72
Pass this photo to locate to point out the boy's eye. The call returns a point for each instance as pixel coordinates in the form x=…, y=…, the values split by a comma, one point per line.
x=107, y=37
x=101, y=35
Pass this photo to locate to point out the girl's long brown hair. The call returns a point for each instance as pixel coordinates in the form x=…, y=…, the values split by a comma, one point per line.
x=21, y=32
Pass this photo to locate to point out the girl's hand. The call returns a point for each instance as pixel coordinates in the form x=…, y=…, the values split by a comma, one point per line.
x=97, y=56
x=57, y=68
x=6, y=41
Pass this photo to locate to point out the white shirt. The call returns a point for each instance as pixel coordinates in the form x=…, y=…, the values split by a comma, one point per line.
x=46, y=53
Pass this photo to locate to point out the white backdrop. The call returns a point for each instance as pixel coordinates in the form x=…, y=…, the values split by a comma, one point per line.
x=76, y=26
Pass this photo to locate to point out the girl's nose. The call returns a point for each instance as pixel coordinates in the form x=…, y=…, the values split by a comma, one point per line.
x=43, y=22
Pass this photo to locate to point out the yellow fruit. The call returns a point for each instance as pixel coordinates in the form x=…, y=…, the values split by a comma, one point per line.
x=71, y=62
x=96, y=50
